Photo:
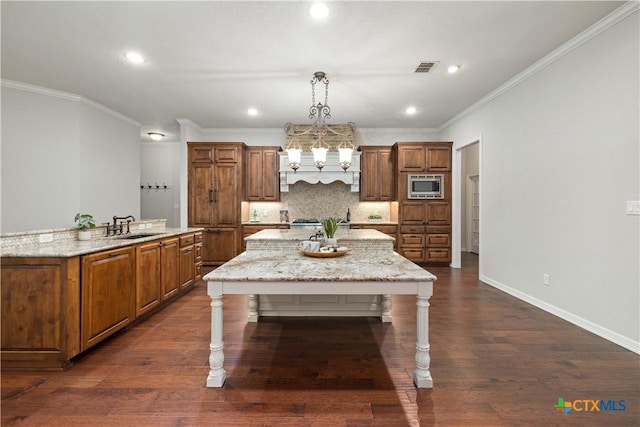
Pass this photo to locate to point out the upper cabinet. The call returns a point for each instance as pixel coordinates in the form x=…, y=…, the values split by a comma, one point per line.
x=377, y=176
x=261, y=174
x=421, y=157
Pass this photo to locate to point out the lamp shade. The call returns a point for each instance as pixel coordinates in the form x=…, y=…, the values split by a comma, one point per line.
x=345, y=157
x=319, y=157
x=294, y=157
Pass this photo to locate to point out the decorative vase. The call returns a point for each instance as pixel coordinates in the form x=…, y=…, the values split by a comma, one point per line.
x=84, y=235
x=330, y=241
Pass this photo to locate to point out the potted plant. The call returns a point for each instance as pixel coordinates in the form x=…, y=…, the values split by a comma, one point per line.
x=84, y=222
x=375, y=218
x=330, y=226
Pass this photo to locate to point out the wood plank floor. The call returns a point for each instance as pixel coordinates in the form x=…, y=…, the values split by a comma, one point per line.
x=495, y=360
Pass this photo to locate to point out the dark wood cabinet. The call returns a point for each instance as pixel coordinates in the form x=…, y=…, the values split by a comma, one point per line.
x=261, y=174
x=169, y=259
x=215, y=189
x=108, y=280
x=424, y=157
x=187, y=261
x=40, y=299
x=425, y=225
x=377, y=175
x=148, y=293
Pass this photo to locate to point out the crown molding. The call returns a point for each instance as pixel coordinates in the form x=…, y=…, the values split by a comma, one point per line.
x=602, y=25
x=39, y=90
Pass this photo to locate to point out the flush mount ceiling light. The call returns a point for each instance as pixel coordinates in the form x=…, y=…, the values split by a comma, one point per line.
x=410, y=110
x=319, y=11
x=134, y=57
x=323, y=137
x=156, y=136
x=453, y=68
x=252, y=112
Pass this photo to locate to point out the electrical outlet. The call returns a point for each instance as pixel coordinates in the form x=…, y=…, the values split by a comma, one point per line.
x=545, y=280
x=45, y=238
x=633, y=207
x=141, y=226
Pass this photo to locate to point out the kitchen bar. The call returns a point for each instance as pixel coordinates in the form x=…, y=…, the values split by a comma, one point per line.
x=283, y=270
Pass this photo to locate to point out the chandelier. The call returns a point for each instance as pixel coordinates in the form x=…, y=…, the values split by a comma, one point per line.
x=323, y=137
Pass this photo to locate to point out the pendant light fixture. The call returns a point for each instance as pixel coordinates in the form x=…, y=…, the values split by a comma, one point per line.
x=322, y=135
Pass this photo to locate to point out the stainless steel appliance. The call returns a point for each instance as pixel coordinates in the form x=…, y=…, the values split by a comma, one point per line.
x=425, y=187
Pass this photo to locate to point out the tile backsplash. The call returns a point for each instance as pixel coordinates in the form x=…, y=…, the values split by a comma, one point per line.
x=319, y=201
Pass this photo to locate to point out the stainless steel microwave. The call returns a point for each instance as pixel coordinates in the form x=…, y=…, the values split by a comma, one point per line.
x=425, y=187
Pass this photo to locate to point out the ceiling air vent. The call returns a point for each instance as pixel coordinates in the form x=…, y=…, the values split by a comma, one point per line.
x=426, y=66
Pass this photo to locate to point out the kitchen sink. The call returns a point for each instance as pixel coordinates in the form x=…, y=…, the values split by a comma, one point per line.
x=138, y=236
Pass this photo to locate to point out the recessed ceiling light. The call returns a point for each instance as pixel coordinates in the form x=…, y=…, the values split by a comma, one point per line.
x=252, y=112
x=135, y=57
x=410, y=110
x=453, y=68
x=156, y=136
x=319, y=11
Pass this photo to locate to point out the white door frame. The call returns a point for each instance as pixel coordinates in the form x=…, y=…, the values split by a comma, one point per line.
x=456, y=201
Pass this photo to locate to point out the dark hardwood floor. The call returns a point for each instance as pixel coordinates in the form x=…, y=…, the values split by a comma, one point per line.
x=496, y=361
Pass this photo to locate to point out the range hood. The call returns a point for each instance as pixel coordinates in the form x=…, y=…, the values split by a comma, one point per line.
x=308, y=172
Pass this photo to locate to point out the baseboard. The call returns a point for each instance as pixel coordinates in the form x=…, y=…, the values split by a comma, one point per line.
x=600, y=331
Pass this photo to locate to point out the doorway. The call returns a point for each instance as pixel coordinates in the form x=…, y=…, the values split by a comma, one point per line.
x=473, y=214
x=470, y=198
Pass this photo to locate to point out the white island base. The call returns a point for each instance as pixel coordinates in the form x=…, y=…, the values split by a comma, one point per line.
x=287, y=272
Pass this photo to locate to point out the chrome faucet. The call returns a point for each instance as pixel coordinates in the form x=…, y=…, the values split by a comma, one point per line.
x=119, y=228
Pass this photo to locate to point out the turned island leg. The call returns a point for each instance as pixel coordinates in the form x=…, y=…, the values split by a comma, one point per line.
x=217, y=374
x=421, y=375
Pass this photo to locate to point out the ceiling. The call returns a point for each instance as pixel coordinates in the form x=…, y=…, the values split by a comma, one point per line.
x=210, y=61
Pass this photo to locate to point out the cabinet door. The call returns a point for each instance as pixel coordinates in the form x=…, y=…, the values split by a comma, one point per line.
x=386, y=167
x=169, y=256
x=225, y=197
x=148, y=291
x=438, y=213
x=412, y=158
x=107, y=294
x=254, y=174
x=439, y=159
x=413, y=213
x=270, y=176
x=187, y=262
x=369, y=175
x=201, y=195
x=219, y=245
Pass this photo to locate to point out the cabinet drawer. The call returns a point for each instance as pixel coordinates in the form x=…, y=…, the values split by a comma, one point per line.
x=438, y=240
x=412, y=240
x=198, y=237
x=198, y=251
x=187, y=240
x=438, y=255
x=412, y=254
x=412, y=229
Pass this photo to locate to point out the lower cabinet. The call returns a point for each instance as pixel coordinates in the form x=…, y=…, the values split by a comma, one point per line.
x=55, y=308
x=40, y=299
x=169, y=271
x=219, y=245
x=148, y=274
x=108, y=281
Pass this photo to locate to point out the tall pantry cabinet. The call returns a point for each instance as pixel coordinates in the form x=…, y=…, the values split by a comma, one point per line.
x=424, y=234
x=215, y=189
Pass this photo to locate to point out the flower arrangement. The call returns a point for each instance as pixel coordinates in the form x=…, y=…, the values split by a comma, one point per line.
x=330, y=226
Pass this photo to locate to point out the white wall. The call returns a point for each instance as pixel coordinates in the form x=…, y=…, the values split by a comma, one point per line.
x=62, y=154
x=160, y=165
x=560, y=156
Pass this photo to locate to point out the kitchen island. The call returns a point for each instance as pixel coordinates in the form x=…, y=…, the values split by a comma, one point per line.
x=367, y=269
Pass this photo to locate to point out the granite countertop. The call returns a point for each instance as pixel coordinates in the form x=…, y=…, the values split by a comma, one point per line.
x=291, y=265
x=70, y=248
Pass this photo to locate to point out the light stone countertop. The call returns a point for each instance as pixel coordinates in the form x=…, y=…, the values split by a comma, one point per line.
x=275, y=258
x=71, y=248
x=291, y=265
